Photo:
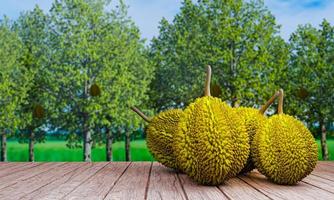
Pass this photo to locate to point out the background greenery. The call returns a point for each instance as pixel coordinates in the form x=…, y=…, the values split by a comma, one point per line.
x=50, y=61
x=57, y=150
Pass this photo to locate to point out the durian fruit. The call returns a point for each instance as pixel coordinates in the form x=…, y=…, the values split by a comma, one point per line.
x=38, y=112
x=302, y=93
x=254, y=121
x=160, y=133
x=216, y=91
x=211, y=144
x=95, y=90
x=284, y=150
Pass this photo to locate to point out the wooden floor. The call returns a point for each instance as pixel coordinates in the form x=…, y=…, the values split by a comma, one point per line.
x=146, y=180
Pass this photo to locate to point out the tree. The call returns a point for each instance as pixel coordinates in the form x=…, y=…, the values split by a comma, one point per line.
x=311, y=77
x=238, y=39
x=12, y=83
x=96, y=45
x=32, y=29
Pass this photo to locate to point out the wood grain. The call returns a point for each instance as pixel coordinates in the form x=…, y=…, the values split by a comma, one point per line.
x=324, y=171
x=330, y=163
x=15, y=167
x=236, y=188
x=132, y=184
x=195, y=191
x=26, y=186
x=275, y=191
x=144, y=180
x=27, y=173
x=98, y=186
x=320, y=183
x=67, y=183
x=6, y=165
x=164, y=184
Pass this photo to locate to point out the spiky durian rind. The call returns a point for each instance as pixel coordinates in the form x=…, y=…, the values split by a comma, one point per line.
x=38, y=111
x=211, y=144
x=285, y=150
x=254, y=121
x=159, y=138
x=95, y=90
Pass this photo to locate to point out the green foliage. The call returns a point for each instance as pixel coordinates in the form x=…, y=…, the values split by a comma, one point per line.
x=12, y=77
x=237, y=38
x=32, y=29
x=310, y=92
x=94, y=44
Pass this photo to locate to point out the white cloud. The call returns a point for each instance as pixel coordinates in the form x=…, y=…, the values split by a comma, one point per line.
x=148, y=13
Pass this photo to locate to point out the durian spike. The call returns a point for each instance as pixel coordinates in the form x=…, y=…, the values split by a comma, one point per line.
x=140, y=113
x=269, y=102
x=280, y=101
x=208, y=80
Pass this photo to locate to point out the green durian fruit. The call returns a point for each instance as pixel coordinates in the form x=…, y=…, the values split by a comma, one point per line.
x=95, y=90
x=211, y=144
x=216, y=90
x=302, y=93
x=38, y=112
x=254, y=121
x=285, y=150
x=160, y=133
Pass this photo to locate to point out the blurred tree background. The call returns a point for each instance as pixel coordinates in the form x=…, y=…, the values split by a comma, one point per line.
x=72, y=73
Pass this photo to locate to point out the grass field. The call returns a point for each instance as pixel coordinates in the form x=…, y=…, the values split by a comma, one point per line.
x=330, y=144
x=57, y=151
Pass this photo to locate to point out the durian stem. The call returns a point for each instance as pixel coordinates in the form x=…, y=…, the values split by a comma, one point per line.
x=208, y=80
x=280, y=101
x=140, y=113
x=269, y=102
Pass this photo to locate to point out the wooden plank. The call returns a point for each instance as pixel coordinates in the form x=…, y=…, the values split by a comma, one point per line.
x=27, y=173
x=324, y=167
x=196, y=191
x=19, y=189
x=17, y=167
x=67, y=183
x=97, y=187
x=320, y=183
x=236, y=188
x=164, y=184
x=275, y=191
x=5, y=165
x=324, y=171
x=8, y=165
x=132, y=184
x=330, y=163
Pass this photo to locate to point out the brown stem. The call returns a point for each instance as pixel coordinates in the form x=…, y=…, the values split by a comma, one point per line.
x=269, y=102
x=280, y=102
x=140, y=113
x=208, y=80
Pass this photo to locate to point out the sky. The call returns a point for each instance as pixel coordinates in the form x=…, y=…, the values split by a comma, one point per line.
x=147, y=13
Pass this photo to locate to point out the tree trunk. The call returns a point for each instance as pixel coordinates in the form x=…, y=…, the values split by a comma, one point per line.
x=109, y=140
x=31, y=146
x=324, y=148
x=87, y=142
x=127, y=146
x=3, y=147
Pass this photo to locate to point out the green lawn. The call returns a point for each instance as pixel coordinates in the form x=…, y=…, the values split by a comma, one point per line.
x=57, y=151
x=330, y=144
